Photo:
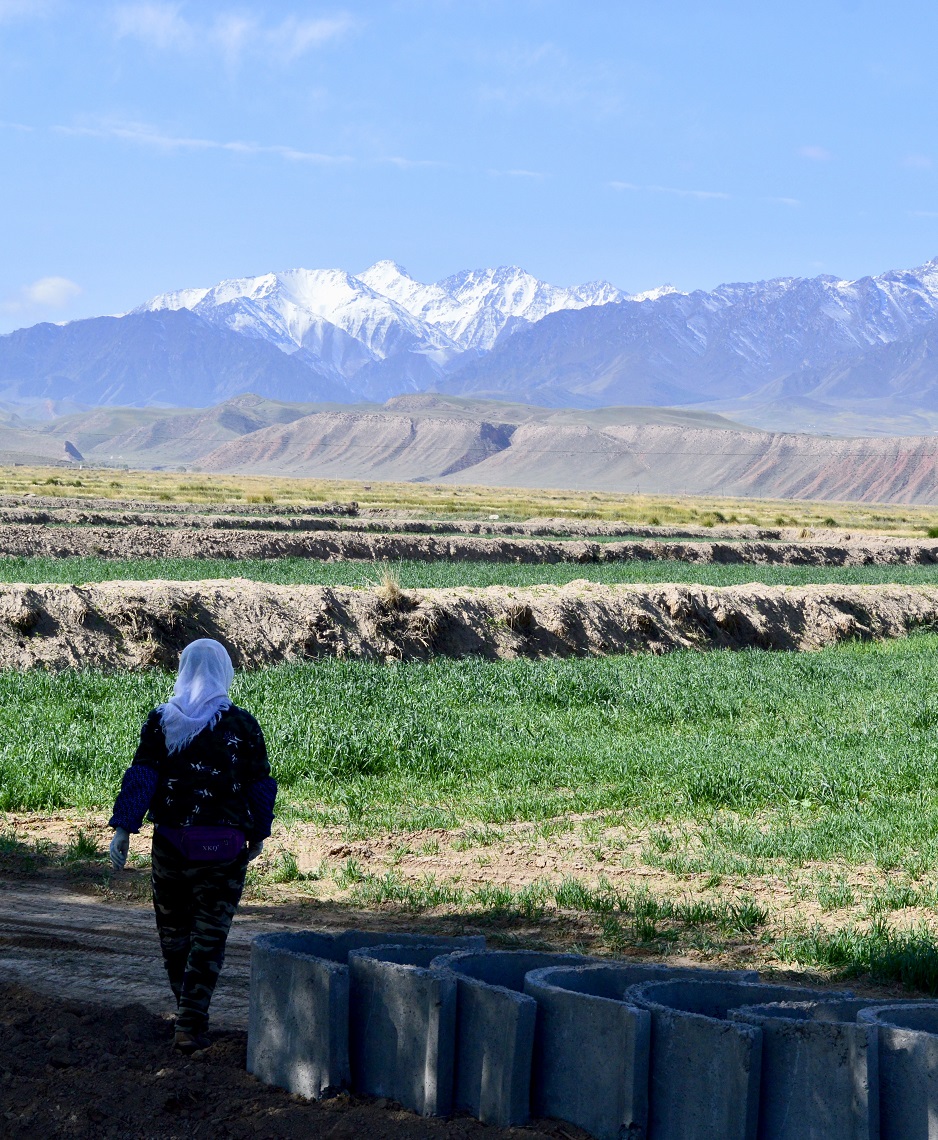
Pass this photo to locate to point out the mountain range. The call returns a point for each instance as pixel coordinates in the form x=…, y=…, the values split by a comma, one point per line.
x=818, y=354
x=452, y=439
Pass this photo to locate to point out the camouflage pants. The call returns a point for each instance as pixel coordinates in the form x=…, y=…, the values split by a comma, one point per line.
x=194, y=904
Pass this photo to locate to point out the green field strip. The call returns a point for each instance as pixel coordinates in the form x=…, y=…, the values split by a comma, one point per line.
x=793, y=757
x=445, y=574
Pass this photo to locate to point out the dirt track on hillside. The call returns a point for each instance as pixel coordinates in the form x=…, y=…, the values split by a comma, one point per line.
x=142, y=624
x=153, y=542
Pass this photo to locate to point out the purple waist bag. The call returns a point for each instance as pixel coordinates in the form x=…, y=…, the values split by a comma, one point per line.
x=205, y=844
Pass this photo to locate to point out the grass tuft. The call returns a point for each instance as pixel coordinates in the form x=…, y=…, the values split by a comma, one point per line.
x=82, y=847
x=886, y=955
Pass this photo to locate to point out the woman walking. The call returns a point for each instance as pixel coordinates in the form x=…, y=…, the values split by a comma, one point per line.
x=201, y=771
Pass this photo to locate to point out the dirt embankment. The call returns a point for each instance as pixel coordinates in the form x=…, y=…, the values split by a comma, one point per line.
x=141, y=624
x=537, y=528
x=39, y=510
x=154, y=542
x=60, y=502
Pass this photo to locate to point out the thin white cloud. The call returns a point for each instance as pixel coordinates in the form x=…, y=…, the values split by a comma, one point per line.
x=923, y=213
x=681, y=193
x=145, y=135
x=51, y=292
x=11, y=10
x=815, y=153
x=163, y=25
x=918, y=162
x=413, y=163
x=294, y=37
x=535, y=174
x=783, y=201
x=159, y=25
x=46, y=293
x=544, y=74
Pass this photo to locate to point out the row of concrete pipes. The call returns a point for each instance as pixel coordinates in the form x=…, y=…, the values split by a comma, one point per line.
x=619, y=1049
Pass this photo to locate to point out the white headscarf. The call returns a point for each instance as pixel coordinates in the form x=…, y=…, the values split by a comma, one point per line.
x=200, y=694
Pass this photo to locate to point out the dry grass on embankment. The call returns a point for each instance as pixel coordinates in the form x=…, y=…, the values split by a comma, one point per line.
x=468, y=501
x=141, y=624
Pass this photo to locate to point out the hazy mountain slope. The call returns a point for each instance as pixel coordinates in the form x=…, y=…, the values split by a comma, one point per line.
x=156, y=437
x=628, y=452
x=168, y=357
x=151, y=437
x=454, y=439
x=677, y=460
x=24, y=445
x=500, y=411
x=363, y=445
x=911, y=364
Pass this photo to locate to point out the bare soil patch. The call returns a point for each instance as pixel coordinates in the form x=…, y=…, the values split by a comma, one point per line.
x=140, y=624
x=86, y=1070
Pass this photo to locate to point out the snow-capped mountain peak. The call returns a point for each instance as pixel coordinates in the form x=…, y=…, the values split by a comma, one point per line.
x=656, y=294
x=179, y=299
x=290, y=309
x=348, y=322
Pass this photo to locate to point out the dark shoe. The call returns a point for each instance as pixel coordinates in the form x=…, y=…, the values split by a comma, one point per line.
x=187, y=1043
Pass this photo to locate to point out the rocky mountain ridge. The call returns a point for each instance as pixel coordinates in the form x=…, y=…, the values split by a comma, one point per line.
x=818, y=354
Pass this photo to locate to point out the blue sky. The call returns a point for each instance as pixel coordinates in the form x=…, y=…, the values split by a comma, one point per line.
x=152, y=145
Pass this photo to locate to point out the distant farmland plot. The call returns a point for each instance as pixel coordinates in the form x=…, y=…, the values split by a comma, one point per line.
x=427, y=575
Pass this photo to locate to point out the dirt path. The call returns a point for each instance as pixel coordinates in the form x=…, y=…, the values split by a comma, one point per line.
x=63, y=944
x=141, y=624
x=60, y=941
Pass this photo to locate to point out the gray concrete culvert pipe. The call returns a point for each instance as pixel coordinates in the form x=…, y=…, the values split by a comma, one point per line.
x=704, y=1069
x=495, y=1024
x=907, y=1034
x=298, y=1022
x=402, y=1027
x=819, y=1072
x=592, y=1045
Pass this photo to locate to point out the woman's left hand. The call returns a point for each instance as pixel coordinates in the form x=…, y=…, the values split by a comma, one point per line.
x=120, y=846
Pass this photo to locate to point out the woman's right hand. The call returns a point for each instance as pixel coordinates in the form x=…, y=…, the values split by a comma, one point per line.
x=120, y=845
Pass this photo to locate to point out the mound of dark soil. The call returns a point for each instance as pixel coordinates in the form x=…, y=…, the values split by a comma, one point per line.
x=203, y=542
x=85, y=1071
x=140, y=624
